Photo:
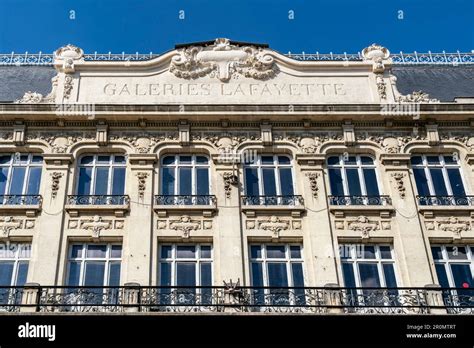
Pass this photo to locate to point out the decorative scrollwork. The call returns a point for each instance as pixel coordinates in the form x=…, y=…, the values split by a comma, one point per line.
x=359, y=200
x=291, y=200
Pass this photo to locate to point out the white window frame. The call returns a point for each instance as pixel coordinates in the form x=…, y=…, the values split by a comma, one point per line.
x=446, y=261
x=359, y=166
x=28, y=165
x=276, y=167
x=94, y=165
x=193, y=165
x=17, y=259
x=443, y=166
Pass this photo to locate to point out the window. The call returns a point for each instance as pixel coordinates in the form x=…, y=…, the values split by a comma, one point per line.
x=280, y=267
x=185, y=266
x=20, y=175
x=438, y=180
x=14, y=259
x=185, y=176
x=269, y=180
x=101, y=175
x=353, y=180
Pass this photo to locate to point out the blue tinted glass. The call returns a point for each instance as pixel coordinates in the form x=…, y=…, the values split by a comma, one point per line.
x=37, y=159
x=295, y=252
x=94, y=273
x=369, y=252
x=449, y=160
x=297, y=269
x=334, y=160
x=442, y=276
x=165, y=274
x=385, y=252
x=101, y=181
x=103, y=159
x=166, y=252
x=168, y=160
x=462, y=275
x=284, y=160
x=257, y=274
x=116, y=251
x=201, y=159
x=369, y=276
x=275, y=251
x=34, y=180
x=432, y=159
x=416, y=160
x=269, y=185
x=74, y=273
x=96, y=250
x=456, y=253
x=251, y=182
x=119, y=159
x=186, y=274
x=76, y=251
x=6, y=272
x=350, y=160
x=371, y=182
x=114, y=274
x=118, y=186
x=437, y=253
x=456, y=182
x=167, y=180
x=84, y=185
x=348, y=274
x=22, y=273
x=438, y=182
x=17, y=180
x=255, y=251
x=366, y=160
x=87, y=159
x=202, y=181
x=205, y=251
x=186, y=251
x=3, y=179
x=5, y=159
x=185, y=159
x=277, y=275
x=206, y=274
x=389, y=273
x=286, y=182
x=353, y=182
x=421, y=182
x=267, y=159
x=335, y=180
x=185, y=181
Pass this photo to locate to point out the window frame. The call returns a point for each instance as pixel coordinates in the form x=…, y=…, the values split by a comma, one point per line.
x=17, y=259
x=447, y=262
x=29, y=165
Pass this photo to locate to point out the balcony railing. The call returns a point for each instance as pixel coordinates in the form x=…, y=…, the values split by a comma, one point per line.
x=21, y=200
x=445, y=200
x=98, y=200
x=293, y=200
x=360, y=200
x=185, y=200
x=237, y=299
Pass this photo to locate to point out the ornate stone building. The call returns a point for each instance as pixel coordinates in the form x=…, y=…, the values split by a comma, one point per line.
x=225, y=176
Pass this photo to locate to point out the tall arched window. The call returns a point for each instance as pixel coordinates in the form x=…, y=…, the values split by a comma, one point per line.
x=20, y=178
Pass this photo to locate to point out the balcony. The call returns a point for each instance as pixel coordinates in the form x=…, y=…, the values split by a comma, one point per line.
x=340, y=205
x=118, y=204
x=428, y=205
x=205, y=204
x=323, y=300
x=29, y=204
x=271, y=204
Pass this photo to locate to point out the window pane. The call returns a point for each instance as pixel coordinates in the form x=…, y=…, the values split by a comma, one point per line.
x=186, y=274
x=114, y=274
x=251, y=182
x=87, y=159
x=421, y=182
x=202, y=181
x=103, y=159
x=286, y=182
x=437, y=253
x=269, y=185
x=389, y=274
x=18, y=177
x=74, y=273
x=275, y=251
x=118, y=186
x=76, y=251
x=206, y=274
x=168, y=160
x=371, y=182
x=101, y=181
x=94, y=274
x=456, y=253
x=255, y=251
x=167, y=181
x=449, y=160
x=186, y=251
x=5, y=159
x=116, y=251
x=462, y=276
x=165, y=274
x=385, y=252
x=442, y=276
x=348, y=274
x=6, y=272
x=3, y=179
x=369, y=276
x=432, y=159
x=96, y=251
x=350, y=160
x=205, y=251
x=353, y=182
x=277, y=275
x=295, y=252
x=297, y=269
x=456, y=182
x=84, y=185
x=185, y=181
x=334, y=160
x=335, y=180
x=416, y=160
x=284, y=160
x=438, y=182
x=366, y=160
x=36, y=159
x=22, y=274
x=166, y=251
x=34, y=181
x=369, y=252
x=257, y=275
x=119, y=159
x=185, y=159
x=267, y=159
x=201, y=159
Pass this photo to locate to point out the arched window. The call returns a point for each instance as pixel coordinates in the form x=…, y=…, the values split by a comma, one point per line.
x=20, y=178
x=438, y=180
x=101, y=179
x=184, y=180
x=269, y=181
x=353, y=180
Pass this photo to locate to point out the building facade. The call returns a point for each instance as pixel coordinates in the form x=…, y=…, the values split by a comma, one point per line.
x=224, y=176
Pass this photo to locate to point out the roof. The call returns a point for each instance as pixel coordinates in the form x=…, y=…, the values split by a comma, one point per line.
x=443, y=82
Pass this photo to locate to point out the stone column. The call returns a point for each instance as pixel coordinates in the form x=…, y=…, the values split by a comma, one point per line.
x=30, y=297
x=434, y=298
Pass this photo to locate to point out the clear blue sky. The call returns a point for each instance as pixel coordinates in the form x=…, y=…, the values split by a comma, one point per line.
x=318, y=25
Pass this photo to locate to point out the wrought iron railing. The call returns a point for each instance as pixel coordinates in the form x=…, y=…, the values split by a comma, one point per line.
x=401, y=58
x=185, y=200
x=445, y=200
x=360, y=200
x=289, y=200
x=98, y=200
x=237, y=299
x=21, y=199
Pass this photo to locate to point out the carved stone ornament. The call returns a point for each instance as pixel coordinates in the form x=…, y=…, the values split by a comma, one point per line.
x=274, y=224
x=68, y=54
x=96, y=224
x=364, y=225
x=381, y=87
x=377, y=54
x=30, y=98
x=9, y=223
x=398, y=177
x=55, y=178
x=68, y=85
x=229, y=180
x=223, y=60
x=454, y=225
x=185, y=224
x=417, y=97
x=313, y=182
x=141, y=183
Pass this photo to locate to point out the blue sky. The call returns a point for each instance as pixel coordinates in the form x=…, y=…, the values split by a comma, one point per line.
x=318, y=25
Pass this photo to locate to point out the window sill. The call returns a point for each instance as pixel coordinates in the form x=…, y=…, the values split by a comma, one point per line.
x=30, y=210
x=252, y=210
x=207, y=210
x=429, y=211
x=119, y=210
x=339, y=211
